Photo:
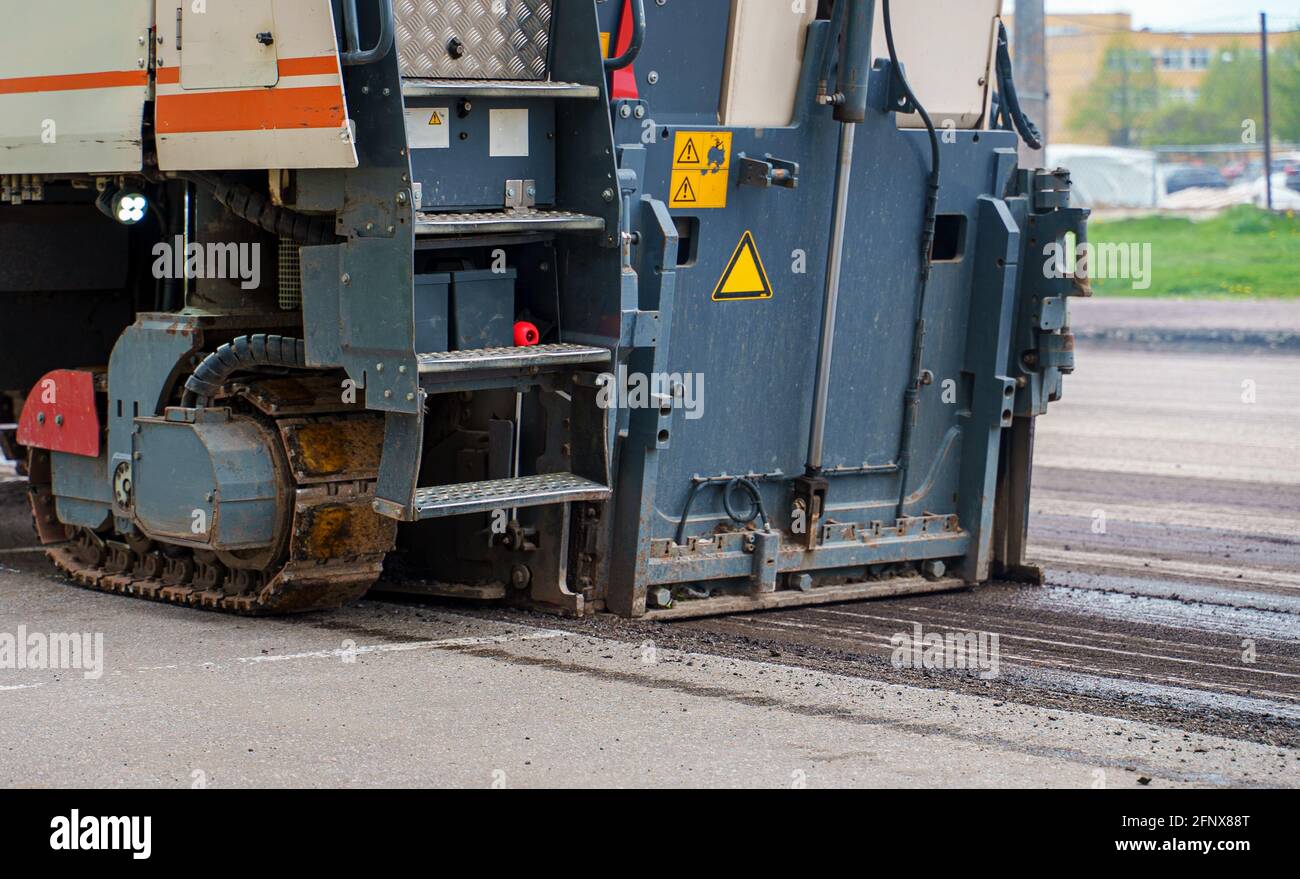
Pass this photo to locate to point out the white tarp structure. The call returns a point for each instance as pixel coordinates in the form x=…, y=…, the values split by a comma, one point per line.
x=1110, y=177
x=1114, y=177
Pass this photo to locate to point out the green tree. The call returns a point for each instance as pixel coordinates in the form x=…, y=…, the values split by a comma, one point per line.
x=1231, y=99
x=1230, y=89
x=1284, y=82
x=1123, y=98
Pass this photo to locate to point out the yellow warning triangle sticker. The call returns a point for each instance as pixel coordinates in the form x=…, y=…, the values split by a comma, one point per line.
x=436, y=119
x=689, y=155
x=685, y=193
x=745, y=277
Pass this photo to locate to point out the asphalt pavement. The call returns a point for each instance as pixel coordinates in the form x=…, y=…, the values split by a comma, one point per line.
x=1164, y=650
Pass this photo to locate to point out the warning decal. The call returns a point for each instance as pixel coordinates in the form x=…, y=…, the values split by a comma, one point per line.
x=745, y=277
x=428, y=128
x=701, y=169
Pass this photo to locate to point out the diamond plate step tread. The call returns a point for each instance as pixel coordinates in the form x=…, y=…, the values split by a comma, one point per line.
x=506, y=221
x=500, y=40
x=499, y=494
x=539, y=356
x=497, y=88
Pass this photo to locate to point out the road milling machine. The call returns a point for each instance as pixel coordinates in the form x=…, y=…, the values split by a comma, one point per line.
x=660, y=309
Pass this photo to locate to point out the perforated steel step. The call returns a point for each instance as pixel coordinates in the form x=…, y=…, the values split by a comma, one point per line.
x=496, y=88
x=527, y=220
x=500, y=494
x=541, y=357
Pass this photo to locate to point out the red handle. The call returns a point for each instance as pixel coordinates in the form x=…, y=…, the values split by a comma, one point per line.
x=526, y=335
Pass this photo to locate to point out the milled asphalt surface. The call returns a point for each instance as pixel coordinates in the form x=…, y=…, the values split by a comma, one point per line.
x=1194, y=324
x=437, y=698
x=1128, y=669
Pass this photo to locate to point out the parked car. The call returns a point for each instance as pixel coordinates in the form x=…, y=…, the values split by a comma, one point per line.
x=1191, y=176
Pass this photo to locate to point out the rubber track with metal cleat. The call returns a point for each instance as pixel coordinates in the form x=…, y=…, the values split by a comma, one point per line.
x=334, y=550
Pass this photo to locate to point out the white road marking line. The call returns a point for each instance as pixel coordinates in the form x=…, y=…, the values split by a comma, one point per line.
x=1236, y=577
x=443, y=644
x=1179, y=514
x=1264, y=473
x=21, y=687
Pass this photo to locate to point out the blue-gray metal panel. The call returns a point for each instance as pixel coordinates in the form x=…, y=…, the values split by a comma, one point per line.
x=223, y=469
x=465, y=176
x=686, y=46
x=757, y=358
x=82, y=492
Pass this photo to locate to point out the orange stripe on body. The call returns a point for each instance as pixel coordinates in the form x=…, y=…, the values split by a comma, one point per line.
x=313, y=66
x=256, y=110
x=73, y=82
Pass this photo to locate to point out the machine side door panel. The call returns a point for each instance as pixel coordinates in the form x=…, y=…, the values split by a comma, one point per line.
x=225, y=46
x=72, y=97
x=229, y=100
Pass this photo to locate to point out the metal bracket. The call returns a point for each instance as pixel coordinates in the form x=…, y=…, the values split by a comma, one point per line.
x=810, y=495
x=520, y=194
x=885, y=91
x=768, y=171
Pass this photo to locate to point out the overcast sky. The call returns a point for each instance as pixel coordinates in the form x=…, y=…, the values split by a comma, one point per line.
x=1191, y=15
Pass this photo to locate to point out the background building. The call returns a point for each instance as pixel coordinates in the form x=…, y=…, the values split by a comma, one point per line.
x=1080, y=48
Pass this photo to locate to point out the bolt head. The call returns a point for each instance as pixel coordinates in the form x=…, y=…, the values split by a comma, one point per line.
x=659, y=596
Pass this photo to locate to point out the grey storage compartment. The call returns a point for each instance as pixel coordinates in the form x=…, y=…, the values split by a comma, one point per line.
x=483, y=309
x=432, y=313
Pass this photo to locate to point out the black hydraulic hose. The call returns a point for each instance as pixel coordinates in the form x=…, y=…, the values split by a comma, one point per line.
x=249, y=204
x=1009, y=98
x=729, y=488
x=755, y=498
x=638, y=38
x=243, y=353
x=686, y=511
x=912, y=397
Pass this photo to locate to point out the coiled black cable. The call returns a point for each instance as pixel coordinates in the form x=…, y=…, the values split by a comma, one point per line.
x=249, y=204
x=243, y=353
x=1009, y=99
x=729, y=488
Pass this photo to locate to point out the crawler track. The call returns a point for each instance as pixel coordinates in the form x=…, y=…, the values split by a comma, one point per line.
x=335, y=543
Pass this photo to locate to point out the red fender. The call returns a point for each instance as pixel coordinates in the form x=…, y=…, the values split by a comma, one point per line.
x=60, y=414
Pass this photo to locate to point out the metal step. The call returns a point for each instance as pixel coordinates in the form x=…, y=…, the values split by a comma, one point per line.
x=503, y=494
x=525, y=220
x=539, y=357
x=496, y=88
